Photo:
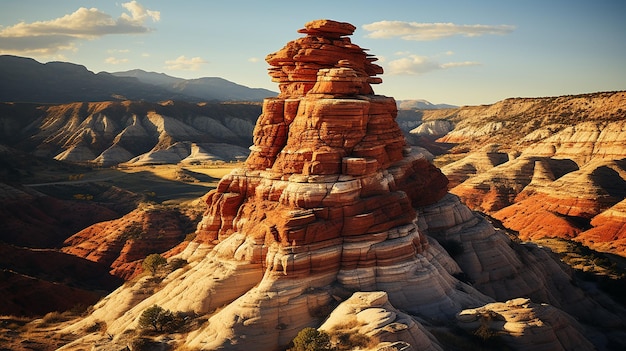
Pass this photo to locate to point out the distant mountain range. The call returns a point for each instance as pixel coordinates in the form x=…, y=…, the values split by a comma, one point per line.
x=421, y=104
x=26, y=80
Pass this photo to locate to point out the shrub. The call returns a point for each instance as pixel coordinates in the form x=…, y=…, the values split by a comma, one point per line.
x=161, y=320
x=310, y=339
x=153, y=262
x=176, y=263
x=352, y=341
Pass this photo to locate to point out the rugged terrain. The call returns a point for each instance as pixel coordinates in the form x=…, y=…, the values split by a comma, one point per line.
x=133, y=132
x=335, y=222
x=26, y=80
x=545, y=167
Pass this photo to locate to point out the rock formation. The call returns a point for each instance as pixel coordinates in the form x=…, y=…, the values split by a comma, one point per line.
x=331, y=205
x=546, y=167
x=123, y=243
x=526, y=326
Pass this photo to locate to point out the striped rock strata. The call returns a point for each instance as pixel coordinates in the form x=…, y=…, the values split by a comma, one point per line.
x=324, y=211
x=323, y=208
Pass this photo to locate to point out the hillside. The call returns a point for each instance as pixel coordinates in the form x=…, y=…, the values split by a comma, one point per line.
x=205, y=89
x=26, y=80
x=545, y=167
x=110, y=133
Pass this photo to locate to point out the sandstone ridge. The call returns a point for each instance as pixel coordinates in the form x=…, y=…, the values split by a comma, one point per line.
x=332, y=206
x=546, y=167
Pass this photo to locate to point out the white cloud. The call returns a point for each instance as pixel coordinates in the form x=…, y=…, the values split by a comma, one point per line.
x=51, y=36
x=138, y=13
x=185, y=64
x=253, y=59
x=115, y=60
x=431, y=31
x=415, y=65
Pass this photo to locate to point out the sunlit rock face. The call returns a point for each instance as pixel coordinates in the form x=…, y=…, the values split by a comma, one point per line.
x=545, y=167
x=524, y=325
x=330, y=206
x=325, y=203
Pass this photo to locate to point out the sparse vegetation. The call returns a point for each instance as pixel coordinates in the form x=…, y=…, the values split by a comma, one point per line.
x=345, y=341
x=343, y=338
x=153, y=262
x=176, y=263
x=158, y=319
x=310, y=339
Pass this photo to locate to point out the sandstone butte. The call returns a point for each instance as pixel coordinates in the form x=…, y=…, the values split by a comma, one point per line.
x=332, y=223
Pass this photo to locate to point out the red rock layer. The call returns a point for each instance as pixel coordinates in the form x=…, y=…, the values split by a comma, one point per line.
x=122, y=244
x=542, y=215
x=328, y=160
x=295, y=66
x=609, y=231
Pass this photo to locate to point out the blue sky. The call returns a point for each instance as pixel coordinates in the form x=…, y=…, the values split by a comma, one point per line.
x=458, y=52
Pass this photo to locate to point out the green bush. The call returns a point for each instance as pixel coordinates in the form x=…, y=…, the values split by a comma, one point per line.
x=310, y=339
x=153, y=262
x=161, y=320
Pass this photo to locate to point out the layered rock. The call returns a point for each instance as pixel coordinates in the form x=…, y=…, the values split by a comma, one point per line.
x=137, y=132
x=371, y=314
x=503, y=269
x=123, y=243
x=324, y=210
x=565, y=207
x=565, y=165
x=524, y=325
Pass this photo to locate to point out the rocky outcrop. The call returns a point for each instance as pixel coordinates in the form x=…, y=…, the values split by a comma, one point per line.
x=123, y=243
x=331, y=206
x=371, y=314
x=524, y=325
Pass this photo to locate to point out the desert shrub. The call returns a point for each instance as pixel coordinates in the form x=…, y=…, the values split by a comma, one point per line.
x=160, y=320
x=143, y=344
x=153, y=317
x=484, y=331
x=53, y=317
x=153, y=262
x=353, y=340
x=176, y=263
x=133, y=231
x=97, y=326
x=310, y=339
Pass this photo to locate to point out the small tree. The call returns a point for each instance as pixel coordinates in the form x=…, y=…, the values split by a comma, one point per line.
x=310, y=339
x=160, y=319
x=153, y=262
x=152, y=317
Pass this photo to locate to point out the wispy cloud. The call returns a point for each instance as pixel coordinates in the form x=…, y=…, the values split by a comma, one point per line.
x=416, y=65
x=431, y=31
x=115, y=61
x=51, y=36
x=185, y=64
x=253, y=59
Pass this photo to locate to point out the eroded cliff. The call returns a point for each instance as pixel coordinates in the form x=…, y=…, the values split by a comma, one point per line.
x=332, y=210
